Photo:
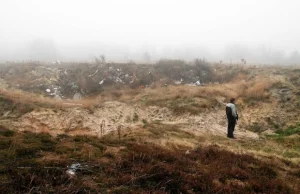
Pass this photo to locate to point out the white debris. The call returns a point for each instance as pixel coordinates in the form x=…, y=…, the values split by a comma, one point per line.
x=71, y=172
x=198, y=83
x=6, y=113
x=93, y=73
x=56, y=62
x=101, y=82
x=179, y=82
x=187, y=152
x=72, y=169
x=48, y=90
x=118, y=80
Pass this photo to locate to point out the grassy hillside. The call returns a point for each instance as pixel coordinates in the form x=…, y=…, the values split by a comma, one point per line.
x=149, y=134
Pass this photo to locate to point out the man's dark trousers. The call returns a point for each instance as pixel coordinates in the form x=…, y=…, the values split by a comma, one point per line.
x=231, y=126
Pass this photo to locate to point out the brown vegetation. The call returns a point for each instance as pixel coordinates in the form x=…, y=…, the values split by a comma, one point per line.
x=38, y=163
x=152, y=156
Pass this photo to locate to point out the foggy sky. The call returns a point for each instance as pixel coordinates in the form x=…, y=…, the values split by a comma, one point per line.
x=265, y=31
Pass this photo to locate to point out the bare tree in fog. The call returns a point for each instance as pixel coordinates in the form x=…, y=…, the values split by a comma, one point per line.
x=100, y=60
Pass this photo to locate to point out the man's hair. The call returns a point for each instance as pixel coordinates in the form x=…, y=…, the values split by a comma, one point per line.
x=232, y=100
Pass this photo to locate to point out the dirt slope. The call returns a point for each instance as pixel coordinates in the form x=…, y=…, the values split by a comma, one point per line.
x=114, y=114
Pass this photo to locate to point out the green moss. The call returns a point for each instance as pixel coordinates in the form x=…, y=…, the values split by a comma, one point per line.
x=291, y=154
x=289, y=131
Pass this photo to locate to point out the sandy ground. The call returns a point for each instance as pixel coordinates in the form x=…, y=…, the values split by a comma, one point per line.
x=111, y=115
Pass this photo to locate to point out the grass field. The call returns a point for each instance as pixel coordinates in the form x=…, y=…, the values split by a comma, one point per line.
x=135, y=163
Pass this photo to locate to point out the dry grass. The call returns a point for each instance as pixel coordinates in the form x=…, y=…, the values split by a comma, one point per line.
x=209, y=96
x=132, y=166
x=257, y=89
x=23, y=97
x=152, y=158
x=180, y=99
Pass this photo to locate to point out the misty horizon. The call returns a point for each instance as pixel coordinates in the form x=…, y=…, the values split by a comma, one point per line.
x=264, y=32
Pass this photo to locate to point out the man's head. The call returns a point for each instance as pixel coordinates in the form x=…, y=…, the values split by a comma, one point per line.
x=232, y=100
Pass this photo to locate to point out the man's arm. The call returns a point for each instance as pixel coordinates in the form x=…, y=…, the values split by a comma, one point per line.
x=234, y=111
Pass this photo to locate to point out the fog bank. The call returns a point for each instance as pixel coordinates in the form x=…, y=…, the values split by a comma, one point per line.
x=257, y=31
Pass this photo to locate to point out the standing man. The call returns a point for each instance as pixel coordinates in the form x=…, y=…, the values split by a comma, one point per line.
x=232, y=117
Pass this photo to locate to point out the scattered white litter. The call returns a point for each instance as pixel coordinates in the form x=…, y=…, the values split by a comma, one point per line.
x=118, y=80
x=92, y=75
x=197, y=83
x=101, y=82
x=6, y=113
x=72, y=169
x=187, y=152
x=48, y=90
x=179, y=82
